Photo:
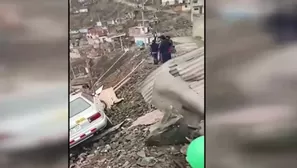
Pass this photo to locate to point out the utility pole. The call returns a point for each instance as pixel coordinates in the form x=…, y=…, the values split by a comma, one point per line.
x=72, y=71
x=89, y=72
x=142, y=13
x=192, y=11
x=121, y=41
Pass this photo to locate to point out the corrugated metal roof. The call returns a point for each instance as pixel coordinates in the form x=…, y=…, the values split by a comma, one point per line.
x=190, y=67
x=198, y=87
x=191, y=70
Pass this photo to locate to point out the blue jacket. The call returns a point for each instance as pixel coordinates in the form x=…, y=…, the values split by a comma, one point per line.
x=164, y=47
x=154, y=47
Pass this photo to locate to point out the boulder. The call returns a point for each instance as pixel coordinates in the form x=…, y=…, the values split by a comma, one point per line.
x=171, y=130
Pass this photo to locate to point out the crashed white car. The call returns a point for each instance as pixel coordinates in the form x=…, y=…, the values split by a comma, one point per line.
x=86, y=118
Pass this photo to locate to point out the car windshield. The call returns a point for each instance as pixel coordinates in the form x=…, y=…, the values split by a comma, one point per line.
x=78, y=105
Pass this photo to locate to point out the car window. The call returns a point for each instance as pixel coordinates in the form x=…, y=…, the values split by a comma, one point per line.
x=89, y=97
x=78, y=105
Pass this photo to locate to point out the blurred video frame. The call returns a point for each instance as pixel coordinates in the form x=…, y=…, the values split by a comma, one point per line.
x=137, y=83
x=34, y=84
x=250, y=100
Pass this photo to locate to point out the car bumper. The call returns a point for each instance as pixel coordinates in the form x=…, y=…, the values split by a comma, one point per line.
x=97, y=125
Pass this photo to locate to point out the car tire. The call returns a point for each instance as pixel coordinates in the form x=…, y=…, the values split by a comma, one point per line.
x=104, y=105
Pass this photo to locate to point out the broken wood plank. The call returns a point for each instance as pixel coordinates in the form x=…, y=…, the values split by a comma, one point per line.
x=116, y=86
x=123, y=83
x=110, y=130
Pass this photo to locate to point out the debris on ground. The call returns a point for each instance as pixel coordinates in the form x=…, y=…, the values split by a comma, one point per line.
x=126, y=144
x=149, y=118
x=172, y=129
x=127, y=149
x=133, y=104
x=110, y=130
x=136, y=139
x=109, y=97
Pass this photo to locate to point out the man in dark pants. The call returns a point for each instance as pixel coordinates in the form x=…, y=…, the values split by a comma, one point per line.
x=164, y=49
x=154, y=51
x=171, y=46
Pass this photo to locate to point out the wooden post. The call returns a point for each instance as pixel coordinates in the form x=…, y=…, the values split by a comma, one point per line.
x=88, y=69
x=192, y=11
x=142, y=13
x=121, y=41
x=72, y=71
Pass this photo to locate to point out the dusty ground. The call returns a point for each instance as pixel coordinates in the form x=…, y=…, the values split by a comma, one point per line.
x=126, y=149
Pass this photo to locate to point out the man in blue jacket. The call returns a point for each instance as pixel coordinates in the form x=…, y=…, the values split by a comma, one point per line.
x=154, y=51
x=164, y=49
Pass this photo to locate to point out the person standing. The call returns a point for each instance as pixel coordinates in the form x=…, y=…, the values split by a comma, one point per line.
x=169, y=40
x=154, y=51
x=171, y=46
x=164, y=49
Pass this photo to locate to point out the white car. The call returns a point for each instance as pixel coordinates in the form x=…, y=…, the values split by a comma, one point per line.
x=34, y=119
x=86, y=118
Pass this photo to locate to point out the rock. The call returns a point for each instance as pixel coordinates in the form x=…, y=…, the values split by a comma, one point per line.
x=147, y=161
x=149, y=118
x=90, y=156
x=171, y=131
x=114, y=145
x=183, y=150
x=178, y=164
x=101, y=142
x=107, y=148
x=95, y=145
x=201, y=131
x=126, y=164
x=158, y=153
x=173, y=150
x=129, y=138
x=141, y=153
x=85, y=148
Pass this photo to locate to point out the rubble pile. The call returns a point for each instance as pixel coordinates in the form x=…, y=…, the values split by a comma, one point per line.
x=123, y=70
x=112, y=61
x=128, y=146
x=133, y=105
x=127, y=149
x=174, y=25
